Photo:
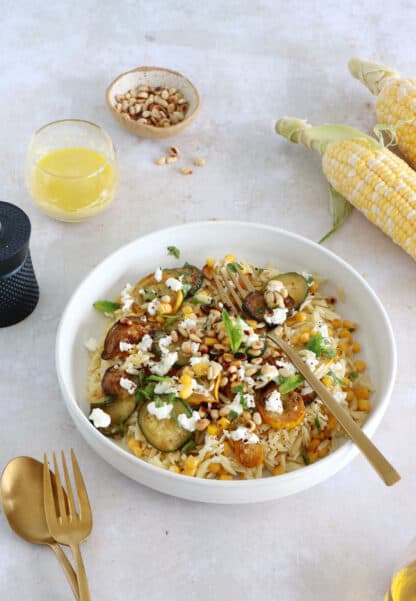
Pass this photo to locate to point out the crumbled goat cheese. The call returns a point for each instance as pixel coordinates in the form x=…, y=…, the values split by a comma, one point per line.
x=197, y=360
x=162, y=412
x=91, y=345
x=306, y=389
x=100, y=418
x=189, y=423
x=276, y=316
x=164, y=344
x=236, y=405
x=167, y=387
x=248, y=400
x=128, y=385
x=339, y=369
x=164, y=365
x=274, y=402
x=174, y=284
x=275, y=286
x=158, y=274
x=145, y=343
x=309, y=358
x=244, y=434
x=125, y=347
x=194, y=348
x=152, y=307
x=188, y=324
x=126, y=298
x=339, y=396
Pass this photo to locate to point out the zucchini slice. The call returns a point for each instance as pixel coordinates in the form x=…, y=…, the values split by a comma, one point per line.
x=255, y=305
x=166, y=435
x=191, y=276
x=296, y=285
x=120, y=410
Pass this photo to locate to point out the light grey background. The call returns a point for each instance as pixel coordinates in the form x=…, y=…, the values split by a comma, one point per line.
x=252, y=62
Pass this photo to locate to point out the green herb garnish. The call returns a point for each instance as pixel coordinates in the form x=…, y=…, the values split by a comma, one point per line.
x=335, y=378
x=289, y=383
x=145, y=393
x=159, y=402
x=154, y=378
x=237, y=388
x=309, y=280
x=169, y=321
x=233, y=415
x=174, y=251
x=320, y=346
x=186, y=288
x=234, y=331
x=306, y=459
x=353, y=375
x=106, y=306
x=188, y=446
x=318, y=424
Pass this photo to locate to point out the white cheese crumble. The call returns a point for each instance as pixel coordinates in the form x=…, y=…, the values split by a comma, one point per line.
x=275, y=286
x=194, y=348
x=162, y=412
x=309, y=358
x=100, y=418
x=91, y=345
x=244, y=434
x=145, y=343
x=153, y=306
x=323, y=330
x=339, y=368
x=274, y=402
x=197, y=360
x=158, y=274
x=285, y=368
x=174, y=284
x=248, y=400
x=164, y=365
x=166, y=387
x=188, y=324
x=236, y=405
x=276, y=317
x=125, y=347
x=189, y=423
x=339, y=396
x=128, y=385
x=164, y=344
x=126, y=298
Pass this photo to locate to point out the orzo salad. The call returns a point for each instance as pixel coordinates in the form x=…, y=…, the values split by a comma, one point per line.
x=187, y=385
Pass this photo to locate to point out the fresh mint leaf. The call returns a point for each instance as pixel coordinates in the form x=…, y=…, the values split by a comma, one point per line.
x=174, y=251
x=289, y=383
x=233, y=415
x=106, y=306
x=237, y=388
x=234, y=331
x=320, y=346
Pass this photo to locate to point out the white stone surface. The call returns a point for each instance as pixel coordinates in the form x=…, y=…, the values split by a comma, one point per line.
x=252, y=62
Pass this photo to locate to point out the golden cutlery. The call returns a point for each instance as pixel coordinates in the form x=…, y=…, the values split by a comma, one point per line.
x=21, y=492
x=65, y=524
x=232, y=294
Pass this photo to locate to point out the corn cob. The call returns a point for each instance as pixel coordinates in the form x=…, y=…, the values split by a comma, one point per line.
x=395, y=104
x=368, y=175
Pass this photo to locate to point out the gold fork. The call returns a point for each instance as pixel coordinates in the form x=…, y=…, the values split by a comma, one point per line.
x=233, y=294
x=65, y=524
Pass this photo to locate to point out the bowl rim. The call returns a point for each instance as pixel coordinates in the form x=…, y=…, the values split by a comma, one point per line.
x=189, y=115
x=338, y=458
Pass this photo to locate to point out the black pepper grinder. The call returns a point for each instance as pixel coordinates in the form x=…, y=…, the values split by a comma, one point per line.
x=19, y=290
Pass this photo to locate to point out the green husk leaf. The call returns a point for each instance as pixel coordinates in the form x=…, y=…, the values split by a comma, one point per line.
x=340, y=209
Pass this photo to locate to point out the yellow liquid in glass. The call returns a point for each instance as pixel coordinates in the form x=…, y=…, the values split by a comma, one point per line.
x=73, y=183
x=403, y=585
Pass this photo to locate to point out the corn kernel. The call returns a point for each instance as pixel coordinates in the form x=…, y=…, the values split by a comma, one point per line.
x=304, y=338
x=135, y=447
x=174, y=468
x=191, y=463
x=165, y=308
x=187, y=309
x=200, y=369
x=224, y=422
x=345, y=334
x=227, y=449
x=213, y=429
x=226, y=477
x=360, y=365
x=327, y=381
x=314, y=444
x=252, y=323
x=355, y=347
x=349, y=325
x=210, y=341
x=362, y=393
x=186, y=388
x=312, y=457
x=350, y=396
x=210, y=262
x=345, y=348
x=305, y=329
x=323, y=452
x=364, y=405
x=330, y=331
x=295, y=339
x=300, y=316
x=214, y=468
x=337, y=323
x=278, y=470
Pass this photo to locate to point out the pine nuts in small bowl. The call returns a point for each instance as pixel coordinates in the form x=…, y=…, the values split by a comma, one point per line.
x=152, y=102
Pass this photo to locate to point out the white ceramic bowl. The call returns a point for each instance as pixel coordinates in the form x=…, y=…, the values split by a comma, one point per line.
x=258, y=244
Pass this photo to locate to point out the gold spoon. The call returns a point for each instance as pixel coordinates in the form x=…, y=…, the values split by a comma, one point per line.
x=21, y=492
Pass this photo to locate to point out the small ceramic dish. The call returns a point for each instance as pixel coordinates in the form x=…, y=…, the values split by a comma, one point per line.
x=153, y=76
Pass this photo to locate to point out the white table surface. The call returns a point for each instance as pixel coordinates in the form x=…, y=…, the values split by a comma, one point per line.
x=252, y=62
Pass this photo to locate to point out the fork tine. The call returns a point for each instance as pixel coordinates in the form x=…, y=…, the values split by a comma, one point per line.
x=249, y=286
x=48, y=496
x=59, y=491
x=223, y=293
x=69, y=493
x=84, y=503
x=237, y=284
x=231, y=291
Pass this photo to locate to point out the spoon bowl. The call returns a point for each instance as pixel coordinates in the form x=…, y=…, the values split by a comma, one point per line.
x=21, y=494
